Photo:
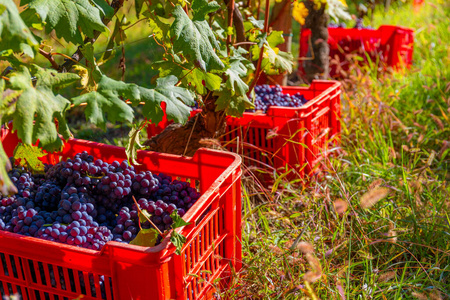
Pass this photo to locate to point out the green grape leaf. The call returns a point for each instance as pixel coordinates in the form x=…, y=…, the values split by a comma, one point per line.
x=201, y=8
x=105, y=102
x=256, y=23
x=105, y=9
x=7, y=106
x=178, y=240
x=177, y=220
x=233, y=105
x=70, y=18
x=6, y=186
x=38, y=107
x=275, y=38
x=14, y=34
x=279, y=60
x=133, y=141
x=177, y=101
x=196, y=40
x=138, y=4
x=145, y=238
x=143, y=216
x=201, y=81
x=109, y=50
x=235, y=72
x=28, y=157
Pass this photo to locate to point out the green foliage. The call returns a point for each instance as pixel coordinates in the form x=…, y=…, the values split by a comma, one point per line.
x=38, y=107
x=178, y=240
x=134, y=140
x=145, y=238
x=196, y=40
x=105, y=102
x=67, y=17
x=28, y=157
x=15, y=36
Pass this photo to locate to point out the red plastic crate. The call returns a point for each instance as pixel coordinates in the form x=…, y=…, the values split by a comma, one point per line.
x=394, y=44
x=134, y=272
x=300, y=135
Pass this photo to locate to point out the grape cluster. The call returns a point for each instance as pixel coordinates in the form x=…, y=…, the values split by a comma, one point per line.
x=87, y=202
x=359, y=25
x=334, y=25
x=267, y=96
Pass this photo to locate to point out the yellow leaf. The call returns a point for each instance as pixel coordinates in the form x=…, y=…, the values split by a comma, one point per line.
x=299, y=12
x=344, y=3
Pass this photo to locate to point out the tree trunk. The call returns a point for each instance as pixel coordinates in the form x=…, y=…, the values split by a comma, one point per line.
x=196, y=133
x=318, y=66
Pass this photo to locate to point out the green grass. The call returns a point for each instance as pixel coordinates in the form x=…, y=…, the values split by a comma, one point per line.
x=394, y=131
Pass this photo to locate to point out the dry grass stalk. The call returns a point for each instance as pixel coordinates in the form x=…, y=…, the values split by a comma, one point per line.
x=316, y=272
x=445, y=146
x=371, y=197
x=419, y=296
x=375, y=184
x=305, y=247
x=387, y=276
x=431, y=158
x=437, y=121
x=392, y=235
x=436, y=295
x=340, y=289
x=340, y=206
x=275, y=250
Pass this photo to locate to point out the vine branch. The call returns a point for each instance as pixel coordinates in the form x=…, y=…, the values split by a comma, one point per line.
x=50, y=58
x=258, y=66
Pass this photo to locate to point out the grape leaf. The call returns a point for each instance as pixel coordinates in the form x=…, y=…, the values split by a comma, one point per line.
x=145, y=238
x=234, y=73
x=201, y=81
x=131, y=150
x=105, y=9
x=38, y=107
x=195, y=39
x=177, y=220
x=28, y=157
x=201, y=8
x=275, y=38
x=105, y=102
x=7, y=101
x=6, y=186
x=14, y=34
x=233, y=105
x=279, y=60
x=144, y=215
x=177, y=239
x=70, y=18
x=177, y=101
x=138, y=4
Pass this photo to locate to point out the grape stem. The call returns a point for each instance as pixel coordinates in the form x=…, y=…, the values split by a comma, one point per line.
x=148, y=219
